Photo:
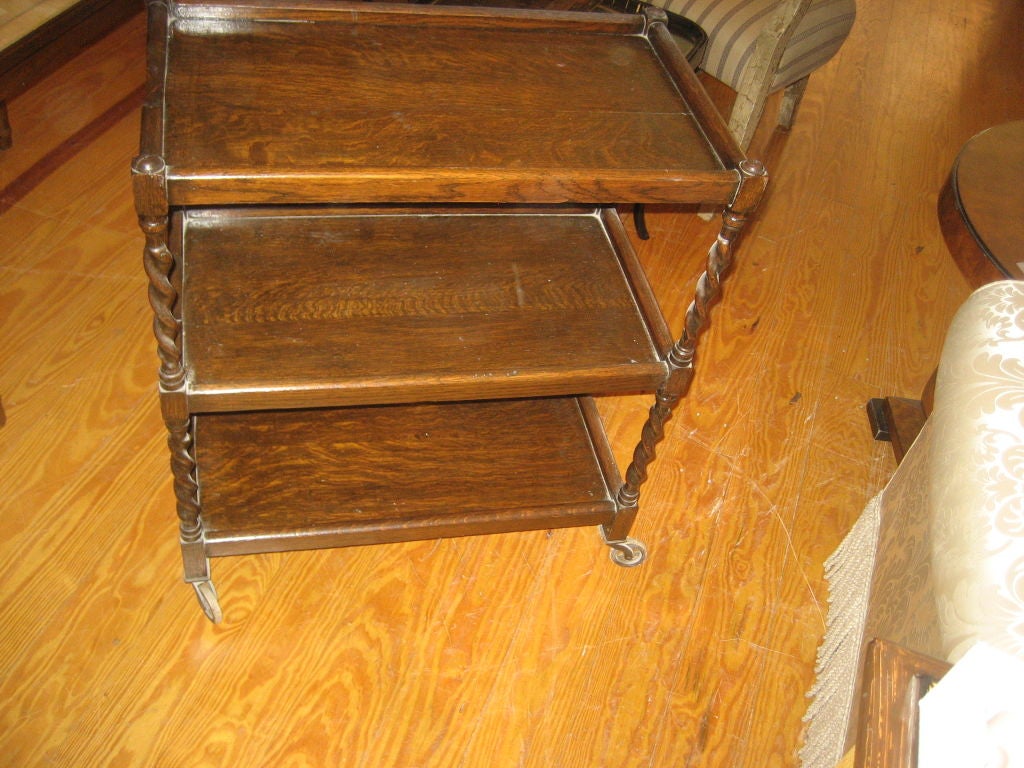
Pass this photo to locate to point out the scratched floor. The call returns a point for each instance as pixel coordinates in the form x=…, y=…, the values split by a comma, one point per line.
x=518, y=650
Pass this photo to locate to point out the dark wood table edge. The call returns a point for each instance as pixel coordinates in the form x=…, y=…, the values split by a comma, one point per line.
x=972, y=256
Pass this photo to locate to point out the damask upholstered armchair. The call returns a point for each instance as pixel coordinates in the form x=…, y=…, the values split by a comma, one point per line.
x=935, y=563
x=758, y=47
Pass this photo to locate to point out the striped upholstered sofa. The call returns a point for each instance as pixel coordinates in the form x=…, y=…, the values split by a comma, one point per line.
x=758, y=47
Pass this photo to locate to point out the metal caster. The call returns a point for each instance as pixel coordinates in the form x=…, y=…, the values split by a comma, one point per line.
x=208, y=600
x=628, y=553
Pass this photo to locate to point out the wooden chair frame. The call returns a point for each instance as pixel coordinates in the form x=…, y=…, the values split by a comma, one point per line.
x=759, y=73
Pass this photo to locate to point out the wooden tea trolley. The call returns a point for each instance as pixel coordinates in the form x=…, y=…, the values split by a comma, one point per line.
x=378, y=317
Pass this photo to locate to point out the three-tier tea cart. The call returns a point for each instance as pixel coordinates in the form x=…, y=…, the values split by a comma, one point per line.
x=387, y=273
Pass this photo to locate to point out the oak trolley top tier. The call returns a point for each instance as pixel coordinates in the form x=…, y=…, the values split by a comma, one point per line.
x=316, y=102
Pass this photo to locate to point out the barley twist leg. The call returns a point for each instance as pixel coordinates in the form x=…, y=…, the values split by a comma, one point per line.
x=186, y=490
x=163, y=297
x=680, y=358
x=680, y=361
x=190, y=524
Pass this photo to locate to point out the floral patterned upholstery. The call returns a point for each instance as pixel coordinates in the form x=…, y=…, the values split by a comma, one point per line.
x=936, y=560
x=977, y=477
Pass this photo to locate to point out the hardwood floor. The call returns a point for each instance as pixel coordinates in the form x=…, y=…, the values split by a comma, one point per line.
x=19, y=17
x=524, y=649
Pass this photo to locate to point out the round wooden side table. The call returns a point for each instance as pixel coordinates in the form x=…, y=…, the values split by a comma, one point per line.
x=981, y=207
x=981, y=213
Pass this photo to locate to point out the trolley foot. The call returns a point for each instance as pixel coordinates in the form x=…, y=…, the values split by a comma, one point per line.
x=628, y=553
x=207, y=595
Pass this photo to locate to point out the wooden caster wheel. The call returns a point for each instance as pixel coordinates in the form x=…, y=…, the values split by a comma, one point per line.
x=208, y=600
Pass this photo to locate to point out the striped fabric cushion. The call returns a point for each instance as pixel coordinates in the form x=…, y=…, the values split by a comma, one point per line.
x=732, y=27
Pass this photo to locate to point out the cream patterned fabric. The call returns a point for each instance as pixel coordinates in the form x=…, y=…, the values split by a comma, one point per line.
x=733, y=26
x=978, y=474
x=947, y=568
x=880, y=585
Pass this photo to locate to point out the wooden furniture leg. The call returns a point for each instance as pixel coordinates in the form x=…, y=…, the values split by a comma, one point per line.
x=896, y=420
x=680, y=360
x=640, y=222
x=791, y=98
x=899, y=420
x=895, y=679
x=164, y=292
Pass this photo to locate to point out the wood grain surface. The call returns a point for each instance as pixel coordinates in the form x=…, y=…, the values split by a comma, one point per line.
x=419, y=108
x=895, y=679
x=527, y=649
x=980, y=205
x=550, y=308
x=280, y=480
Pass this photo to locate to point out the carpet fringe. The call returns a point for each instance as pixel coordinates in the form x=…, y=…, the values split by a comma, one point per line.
x=848, y=571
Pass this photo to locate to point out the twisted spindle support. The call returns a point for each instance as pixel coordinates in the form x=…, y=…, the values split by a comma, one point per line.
x=149, y=183
x=186, y=490
x=163, y=297
x=681, y=357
